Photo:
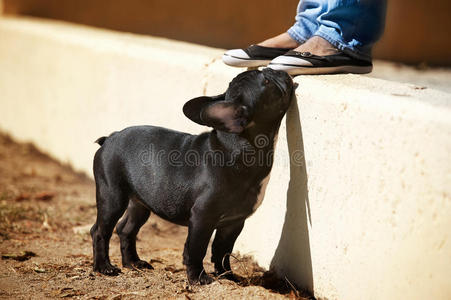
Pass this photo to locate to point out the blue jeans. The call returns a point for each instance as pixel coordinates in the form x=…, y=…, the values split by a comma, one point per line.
x=352, y=26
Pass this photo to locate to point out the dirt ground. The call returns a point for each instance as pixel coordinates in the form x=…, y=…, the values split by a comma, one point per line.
x=46, y=210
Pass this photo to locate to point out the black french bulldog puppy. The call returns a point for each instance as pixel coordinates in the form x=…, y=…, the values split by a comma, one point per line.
x=212, y=181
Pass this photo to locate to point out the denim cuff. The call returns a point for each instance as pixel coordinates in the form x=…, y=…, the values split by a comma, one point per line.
x=296, y=36
x=333, y=37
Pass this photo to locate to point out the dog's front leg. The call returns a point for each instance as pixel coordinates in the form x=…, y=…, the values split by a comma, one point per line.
x=222, y=247
x=200, y=229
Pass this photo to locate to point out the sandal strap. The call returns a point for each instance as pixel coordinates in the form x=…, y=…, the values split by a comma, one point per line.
x=335, y=59
x=261, y=52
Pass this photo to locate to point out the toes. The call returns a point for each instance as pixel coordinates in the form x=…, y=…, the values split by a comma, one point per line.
x=112, y=272
x=108, y=270
x=202, y=279
x=205, y=279
x=198, y=275
x=229, y=276
x=139, y=264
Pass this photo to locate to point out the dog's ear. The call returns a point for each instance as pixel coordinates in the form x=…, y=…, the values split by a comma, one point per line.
x=225, y=116
x=193, y=108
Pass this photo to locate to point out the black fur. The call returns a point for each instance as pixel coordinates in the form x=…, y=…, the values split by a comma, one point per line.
x=210, y=183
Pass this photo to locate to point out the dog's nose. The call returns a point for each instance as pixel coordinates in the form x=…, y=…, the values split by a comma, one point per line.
x=269, y=71
x=277, y=73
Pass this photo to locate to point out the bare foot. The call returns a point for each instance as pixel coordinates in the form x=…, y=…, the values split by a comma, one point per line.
x=282, y=40
x=318, y=46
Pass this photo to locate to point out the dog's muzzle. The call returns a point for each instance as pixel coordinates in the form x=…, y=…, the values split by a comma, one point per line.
x=281, y=79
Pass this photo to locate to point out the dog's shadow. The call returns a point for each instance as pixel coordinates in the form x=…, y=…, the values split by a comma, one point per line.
x=292, y=255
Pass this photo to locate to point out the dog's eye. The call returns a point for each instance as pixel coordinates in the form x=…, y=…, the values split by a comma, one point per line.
x=266, y=81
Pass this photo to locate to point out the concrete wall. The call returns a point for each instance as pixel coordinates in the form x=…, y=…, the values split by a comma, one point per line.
x=416, y=31
x=358, y=203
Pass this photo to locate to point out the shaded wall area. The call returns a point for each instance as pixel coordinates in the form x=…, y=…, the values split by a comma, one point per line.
x=415, y=32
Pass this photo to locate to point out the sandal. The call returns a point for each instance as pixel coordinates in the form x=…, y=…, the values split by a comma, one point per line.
x=253, y=56
x=296, y=63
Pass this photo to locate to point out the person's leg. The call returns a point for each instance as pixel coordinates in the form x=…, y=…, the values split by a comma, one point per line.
x=307, y=13
x=352, y=26
x=342, y=42
x=283, y=40
x=306, y=24
x=262, y=53
x=322, y=28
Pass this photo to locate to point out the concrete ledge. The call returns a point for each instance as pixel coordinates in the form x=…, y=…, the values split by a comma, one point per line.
x=358, y=205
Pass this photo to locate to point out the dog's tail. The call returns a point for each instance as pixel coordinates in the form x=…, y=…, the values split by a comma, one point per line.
x=101, y=140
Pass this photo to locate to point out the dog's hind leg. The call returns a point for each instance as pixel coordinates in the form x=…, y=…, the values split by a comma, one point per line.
x=111, y=204
x=222, y=247
x=127, y=229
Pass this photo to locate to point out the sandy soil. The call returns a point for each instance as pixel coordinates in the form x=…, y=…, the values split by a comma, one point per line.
x=46, y=210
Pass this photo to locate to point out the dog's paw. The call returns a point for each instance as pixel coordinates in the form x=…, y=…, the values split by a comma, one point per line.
x=108, y=270
x=202, y=278
x=139, y=264
x=229, y=276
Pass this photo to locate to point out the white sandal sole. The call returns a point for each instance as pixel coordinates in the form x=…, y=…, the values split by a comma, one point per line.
x=247, y=63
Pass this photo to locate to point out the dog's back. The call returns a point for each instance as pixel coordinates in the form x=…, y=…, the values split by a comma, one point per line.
x=166, y=170
x=146, y=162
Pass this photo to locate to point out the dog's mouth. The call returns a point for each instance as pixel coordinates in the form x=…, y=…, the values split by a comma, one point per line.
x=280, y=87
x=282, y=81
